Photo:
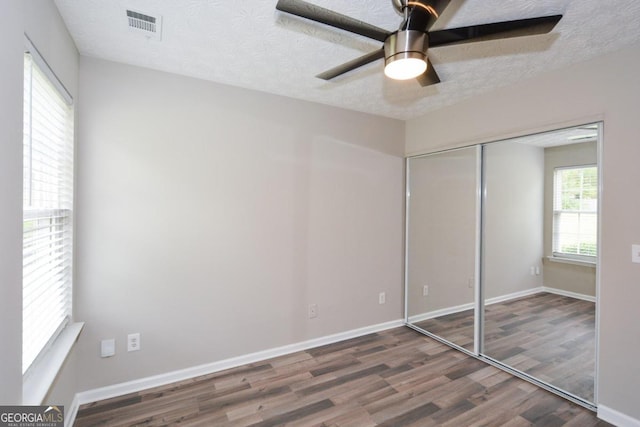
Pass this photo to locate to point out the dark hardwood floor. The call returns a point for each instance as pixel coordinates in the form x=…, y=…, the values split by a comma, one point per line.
x=548, y=336
x=392, y=378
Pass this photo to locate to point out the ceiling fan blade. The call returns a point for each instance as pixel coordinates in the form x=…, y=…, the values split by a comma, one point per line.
x=352, y=65
x=494, y=31
x=429, y=77
x=334, y=19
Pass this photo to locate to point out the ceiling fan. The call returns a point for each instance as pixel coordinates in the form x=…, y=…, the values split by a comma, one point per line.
x=405, y=50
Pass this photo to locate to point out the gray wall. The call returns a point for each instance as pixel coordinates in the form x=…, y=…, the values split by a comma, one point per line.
x=209, y=217
x=580, y=279
x=513, y=219
x=574, y=95
x=41, y=21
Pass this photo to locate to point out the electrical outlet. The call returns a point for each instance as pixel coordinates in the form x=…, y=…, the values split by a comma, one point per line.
x=133, y=342
x=425, y=290
x=537, y=270
x=533, y=271
x=635, y=253
x=107, y=347
x=470, y=283
x=313, y=311
x=382, y=298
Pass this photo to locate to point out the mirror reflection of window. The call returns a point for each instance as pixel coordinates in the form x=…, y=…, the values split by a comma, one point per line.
x=575, y=212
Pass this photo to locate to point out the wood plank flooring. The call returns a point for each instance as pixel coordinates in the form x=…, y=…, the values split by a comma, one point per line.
x=392, y=378
x=548, y=336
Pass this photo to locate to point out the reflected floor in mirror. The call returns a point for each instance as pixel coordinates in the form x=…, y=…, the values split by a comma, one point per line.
x=548, y=336
x=456, y=328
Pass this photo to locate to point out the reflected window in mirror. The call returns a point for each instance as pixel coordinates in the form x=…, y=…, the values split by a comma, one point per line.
x=575, y=213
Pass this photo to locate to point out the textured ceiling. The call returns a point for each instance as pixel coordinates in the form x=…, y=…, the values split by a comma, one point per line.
x=249, y=44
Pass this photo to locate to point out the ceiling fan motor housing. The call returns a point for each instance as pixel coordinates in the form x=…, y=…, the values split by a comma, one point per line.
x=406, y=44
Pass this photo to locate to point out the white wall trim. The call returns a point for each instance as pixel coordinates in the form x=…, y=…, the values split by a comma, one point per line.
x=569, y=294
x=513, y=295
x=616, y=418
x=580, y=262
x=442, y=312
x=41, y=376
x=471, y=305
x=71, y=412
x=502, y=298
x=140, y=384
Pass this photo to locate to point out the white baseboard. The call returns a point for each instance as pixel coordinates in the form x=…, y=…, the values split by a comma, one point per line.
x=616, y=418
x=71, y=412
x=495, y=300
x=183, y=374
x=441, y=312
x=513, y=295
x=471, y=305
x=537, y=290
x=569, y=294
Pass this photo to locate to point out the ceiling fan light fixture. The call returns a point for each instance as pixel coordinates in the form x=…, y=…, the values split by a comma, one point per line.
x=405, y=54
x=406, y=67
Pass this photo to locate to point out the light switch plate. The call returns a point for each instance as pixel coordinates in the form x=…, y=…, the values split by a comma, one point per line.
x=133, y=342
x=635, y=253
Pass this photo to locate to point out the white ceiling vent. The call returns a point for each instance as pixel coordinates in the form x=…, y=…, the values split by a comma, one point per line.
x=147, y=25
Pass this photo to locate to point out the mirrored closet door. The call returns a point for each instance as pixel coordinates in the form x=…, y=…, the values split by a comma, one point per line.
x=442, y=207
x=539, y=240
x=501, y=256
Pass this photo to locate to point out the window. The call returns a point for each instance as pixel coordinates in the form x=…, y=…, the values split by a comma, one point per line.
x=47, y=208
x=575, y=212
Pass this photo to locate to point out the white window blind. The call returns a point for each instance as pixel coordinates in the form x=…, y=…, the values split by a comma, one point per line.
x=47, y=208
x=575, y=212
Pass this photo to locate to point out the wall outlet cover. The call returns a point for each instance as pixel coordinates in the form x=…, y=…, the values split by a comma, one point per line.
x=382, y=298
x=313, y=311
x=107, y=347
x=635, y=253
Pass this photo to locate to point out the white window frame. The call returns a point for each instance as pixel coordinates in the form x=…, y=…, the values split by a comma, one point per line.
x=48, y=334
x=589, y=259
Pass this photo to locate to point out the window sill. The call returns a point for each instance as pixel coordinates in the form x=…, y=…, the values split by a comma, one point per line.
x=572, y=261
x=41, y=376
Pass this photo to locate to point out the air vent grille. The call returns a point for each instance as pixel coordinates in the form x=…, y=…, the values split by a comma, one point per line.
x=144, y=24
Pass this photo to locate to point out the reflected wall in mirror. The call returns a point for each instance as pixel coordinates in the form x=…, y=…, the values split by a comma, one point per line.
x=441, y=243
x=539, y=256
